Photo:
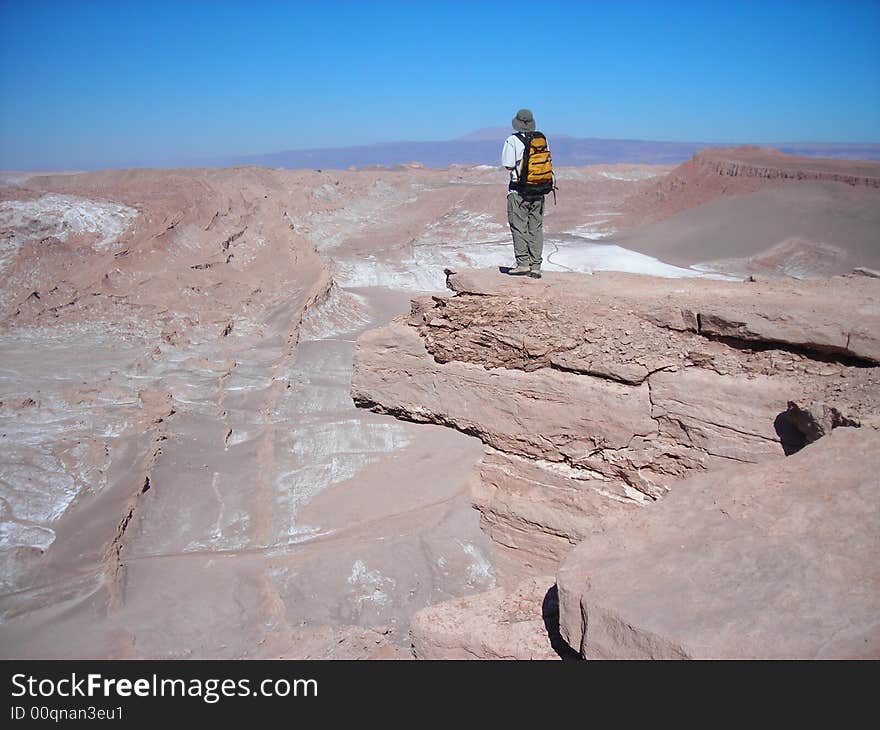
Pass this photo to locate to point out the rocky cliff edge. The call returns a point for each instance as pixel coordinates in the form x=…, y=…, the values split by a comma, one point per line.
x=596, y=396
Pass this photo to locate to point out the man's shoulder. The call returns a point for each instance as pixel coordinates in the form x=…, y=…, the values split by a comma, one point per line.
x=513, y=139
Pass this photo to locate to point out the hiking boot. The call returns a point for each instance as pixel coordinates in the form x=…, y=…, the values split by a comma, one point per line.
x=535, y=273
x=519, y=270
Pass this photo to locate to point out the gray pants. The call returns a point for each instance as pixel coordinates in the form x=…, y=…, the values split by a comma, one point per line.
x=526, y=218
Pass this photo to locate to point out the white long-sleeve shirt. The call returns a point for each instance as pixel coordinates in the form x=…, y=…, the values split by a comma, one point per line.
x=511, y=157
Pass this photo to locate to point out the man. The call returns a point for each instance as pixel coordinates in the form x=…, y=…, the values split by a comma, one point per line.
x=525, y=215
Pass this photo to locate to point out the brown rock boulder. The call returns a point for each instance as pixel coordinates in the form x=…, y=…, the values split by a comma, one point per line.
x=520, y=623
x=778, y=560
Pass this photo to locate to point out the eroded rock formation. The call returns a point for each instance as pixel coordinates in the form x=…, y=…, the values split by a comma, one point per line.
x=712, y=173
x=597, y=396
x=185, y=474
x=775, y=560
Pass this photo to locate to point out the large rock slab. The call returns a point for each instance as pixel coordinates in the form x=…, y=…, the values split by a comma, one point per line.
x=728, y=416
x=595, y=395
x=840, y=315
x=522, y=413
x=778, y=560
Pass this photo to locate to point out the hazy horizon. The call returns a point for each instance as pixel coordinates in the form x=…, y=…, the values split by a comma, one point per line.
x=472, y=149
x=111, y=84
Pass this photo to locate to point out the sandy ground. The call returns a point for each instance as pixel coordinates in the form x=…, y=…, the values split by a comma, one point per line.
x=227, y=563
x=752, y=210
x=836, y=226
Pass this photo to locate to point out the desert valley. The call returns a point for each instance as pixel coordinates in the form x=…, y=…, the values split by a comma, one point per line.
x=263, y=413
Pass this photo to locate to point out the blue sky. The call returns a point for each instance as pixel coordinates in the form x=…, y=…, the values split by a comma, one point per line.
x=91, y=82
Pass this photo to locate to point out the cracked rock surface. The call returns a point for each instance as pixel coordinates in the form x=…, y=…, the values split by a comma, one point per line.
x=595, y=395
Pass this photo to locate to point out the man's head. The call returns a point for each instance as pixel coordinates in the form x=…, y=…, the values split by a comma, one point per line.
x=524, y=121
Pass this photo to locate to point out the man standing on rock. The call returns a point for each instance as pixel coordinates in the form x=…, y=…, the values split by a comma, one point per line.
x=525, y=198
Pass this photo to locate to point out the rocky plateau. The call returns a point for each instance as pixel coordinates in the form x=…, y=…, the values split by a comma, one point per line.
x=598, y=398
x=250, y=412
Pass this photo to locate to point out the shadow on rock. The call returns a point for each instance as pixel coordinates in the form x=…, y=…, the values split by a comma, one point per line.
x=790, y=436
x=550, y=614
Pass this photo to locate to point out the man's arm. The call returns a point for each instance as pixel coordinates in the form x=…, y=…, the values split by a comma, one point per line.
x=508, y=155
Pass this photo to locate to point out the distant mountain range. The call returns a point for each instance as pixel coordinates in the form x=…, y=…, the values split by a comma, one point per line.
x=483, y=147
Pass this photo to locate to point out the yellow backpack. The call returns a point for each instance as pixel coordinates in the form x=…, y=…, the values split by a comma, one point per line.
x=536, y=177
